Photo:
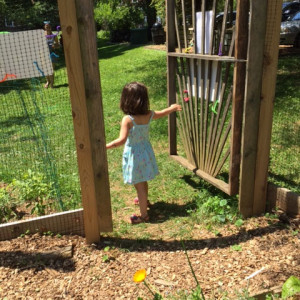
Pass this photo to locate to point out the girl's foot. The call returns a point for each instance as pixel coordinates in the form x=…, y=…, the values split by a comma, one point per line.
x=46, y=85
x=136, y=202
x=138, y=219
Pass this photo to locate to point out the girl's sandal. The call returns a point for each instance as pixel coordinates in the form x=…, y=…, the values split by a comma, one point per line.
x=136, y=202
x=138, y=219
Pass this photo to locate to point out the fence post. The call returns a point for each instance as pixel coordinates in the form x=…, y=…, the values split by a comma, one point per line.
x=271, y=50
x=79, y=36
x=171, y=71
x=258, y=10
x=241, y=45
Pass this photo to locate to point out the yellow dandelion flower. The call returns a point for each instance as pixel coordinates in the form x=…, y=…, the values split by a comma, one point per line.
x=140, y=275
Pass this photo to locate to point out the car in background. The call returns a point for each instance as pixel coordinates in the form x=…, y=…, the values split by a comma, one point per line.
x=230, y=18
x=289, y=9
x=290, y=31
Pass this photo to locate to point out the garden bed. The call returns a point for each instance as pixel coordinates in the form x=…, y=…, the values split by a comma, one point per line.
x=39, y=267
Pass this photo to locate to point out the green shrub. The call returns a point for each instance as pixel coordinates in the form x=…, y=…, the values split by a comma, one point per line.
x=120, y=17
x=103, y=34
x=7, y=205
x=217, y=210
x=34, y=189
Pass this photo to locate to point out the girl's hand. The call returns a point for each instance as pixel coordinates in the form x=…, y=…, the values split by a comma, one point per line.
x=176, y=107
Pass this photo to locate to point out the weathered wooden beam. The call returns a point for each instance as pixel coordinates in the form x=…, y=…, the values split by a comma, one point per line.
x=171, y=71
x=284, y=199
x=206, y=57
x=78, y=28
x=239, y=77
x=266, y=106
x=68, y=222
x=214, y=181
x=258, y=12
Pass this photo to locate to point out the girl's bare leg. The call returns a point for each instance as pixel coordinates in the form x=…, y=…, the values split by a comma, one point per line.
x=142, y=193
x=48, y=82
x=51, y=80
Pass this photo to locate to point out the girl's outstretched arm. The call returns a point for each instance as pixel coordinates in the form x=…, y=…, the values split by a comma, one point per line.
x=125, y=126
x=167, y=111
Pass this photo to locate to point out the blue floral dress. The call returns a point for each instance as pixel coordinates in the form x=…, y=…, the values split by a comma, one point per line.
x=139, y=163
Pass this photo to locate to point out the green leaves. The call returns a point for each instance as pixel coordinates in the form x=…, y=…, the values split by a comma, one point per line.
x=109, y=17
x=239, y=223
x=34, y=190
x=8, y=204
x=291, y=287
x=217, y=209
x=236, y=248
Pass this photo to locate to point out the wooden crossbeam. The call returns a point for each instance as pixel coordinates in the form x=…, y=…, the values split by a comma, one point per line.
x=69, y=222
x=206, y=57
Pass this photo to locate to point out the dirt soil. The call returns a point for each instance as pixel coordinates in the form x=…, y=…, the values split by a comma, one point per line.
x=54, y=267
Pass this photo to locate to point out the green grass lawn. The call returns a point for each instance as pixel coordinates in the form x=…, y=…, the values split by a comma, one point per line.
x=177, y=194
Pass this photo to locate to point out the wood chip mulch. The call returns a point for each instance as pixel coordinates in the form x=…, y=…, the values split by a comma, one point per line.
x=44, y=267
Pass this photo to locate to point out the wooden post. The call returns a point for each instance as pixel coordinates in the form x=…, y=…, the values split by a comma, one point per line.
x=240, y=52
x=266, y=108
x=171, y=80
x=258, y=12
x=78, y=29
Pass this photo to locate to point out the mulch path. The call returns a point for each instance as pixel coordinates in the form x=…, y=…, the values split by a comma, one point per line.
x=35, y=267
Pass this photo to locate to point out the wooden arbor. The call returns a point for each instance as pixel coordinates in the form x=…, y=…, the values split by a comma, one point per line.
x=215, y=71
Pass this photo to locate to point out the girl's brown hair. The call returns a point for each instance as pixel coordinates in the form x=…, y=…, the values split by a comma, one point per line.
x=134, y=99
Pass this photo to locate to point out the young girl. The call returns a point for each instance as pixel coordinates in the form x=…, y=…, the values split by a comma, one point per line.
x=52, y=42
x=139, y=164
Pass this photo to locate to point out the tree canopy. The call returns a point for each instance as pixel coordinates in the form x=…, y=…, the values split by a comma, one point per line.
x=28, y=14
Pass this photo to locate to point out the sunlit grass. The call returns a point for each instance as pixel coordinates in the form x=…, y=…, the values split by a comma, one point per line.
x=176, y=192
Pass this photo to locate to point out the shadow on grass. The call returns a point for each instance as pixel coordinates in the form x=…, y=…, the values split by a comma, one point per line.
x=140, y=245
x=290, y=184
x=201, y=184
x=108, y=50
x=61, y=85
x=162, y=211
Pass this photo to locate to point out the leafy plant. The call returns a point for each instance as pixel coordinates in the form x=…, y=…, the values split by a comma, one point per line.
x=218, y=210
x=33, y=189
x=291, y=287
x=8, y=205
x=239, y=223
x=236, y=247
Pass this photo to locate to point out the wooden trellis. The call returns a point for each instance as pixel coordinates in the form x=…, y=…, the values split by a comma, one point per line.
x=215, y=67
x=205, y=88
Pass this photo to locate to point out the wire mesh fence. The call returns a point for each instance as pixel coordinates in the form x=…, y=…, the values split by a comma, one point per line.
x=38, y=156
x=285, y=143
